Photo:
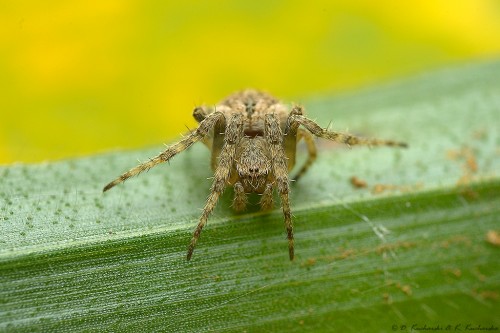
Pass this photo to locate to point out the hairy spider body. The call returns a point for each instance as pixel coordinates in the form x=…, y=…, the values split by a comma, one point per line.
x=253, y=139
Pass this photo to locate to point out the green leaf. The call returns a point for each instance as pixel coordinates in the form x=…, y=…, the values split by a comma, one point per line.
x=416, y=246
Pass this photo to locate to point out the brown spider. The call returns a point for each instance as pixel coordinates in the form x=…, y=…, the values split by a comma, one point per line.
x=253, y=140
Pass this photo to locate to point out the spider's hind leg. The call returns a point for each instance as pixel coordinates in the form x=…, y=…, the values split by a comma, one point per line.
x=311, y=150
x=293, y=134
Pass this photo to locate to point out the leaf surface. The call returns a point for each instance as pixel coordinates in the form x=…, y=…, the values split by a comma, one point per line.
x=416, y=246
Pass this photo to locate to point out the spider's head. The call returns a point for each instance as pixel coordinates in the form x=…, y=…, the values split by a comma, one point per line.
x=253, y=164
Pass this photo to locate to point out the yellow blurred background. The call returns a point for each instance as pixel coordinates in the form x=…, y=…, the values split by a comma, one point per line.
x=79, y=77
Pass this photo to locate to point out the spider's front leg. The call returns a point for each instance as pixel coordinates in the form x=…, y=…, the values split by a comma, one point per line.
x=233, y=134
x=201, y=112
x=274, y=138
x=203, y=129
x=296, y=118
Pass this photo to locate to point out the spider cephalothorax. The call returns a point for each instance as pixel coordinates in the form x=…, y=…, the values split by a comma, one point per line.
x=253, y=139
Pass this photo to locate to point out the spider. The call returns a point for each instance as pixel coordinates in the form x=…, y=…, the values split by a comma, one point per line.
x=253, y=139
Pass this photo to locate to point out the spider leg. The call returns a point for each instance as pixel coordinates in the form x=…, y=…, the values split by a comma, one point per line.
x=345, y=138
x=311, y=149
x=290, y=139
x=267, y=201
x=234, y=133
x=203, y=129
x=201, y=112
x=240, y=198
x=274, y=138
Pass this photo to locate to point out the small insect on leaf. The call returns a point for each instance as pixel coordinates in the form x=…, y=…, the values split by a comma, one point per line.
x=253, y=138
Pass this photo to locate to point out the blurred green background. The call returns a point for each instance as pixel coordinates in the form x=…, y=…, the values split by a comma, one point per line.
x=84, y=77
